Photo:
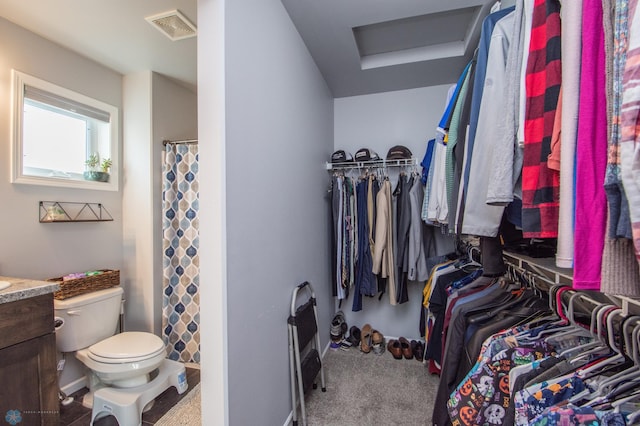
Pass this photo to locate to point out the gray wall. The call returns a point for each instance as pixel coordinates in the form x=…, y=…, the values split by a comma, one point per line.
x=278, y=124
x=156, y=108
x=378, y=122
x=175, y=117
x=38, y=250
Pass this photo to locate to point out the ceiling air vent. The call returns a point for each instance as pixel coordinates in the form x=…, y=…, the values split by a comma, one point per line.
x=173, y=24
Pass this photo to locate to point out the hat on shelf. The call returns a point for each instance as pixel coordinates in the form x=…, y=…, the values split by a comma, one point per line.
x=341, y=156
x=399, y=152
x=366, y=154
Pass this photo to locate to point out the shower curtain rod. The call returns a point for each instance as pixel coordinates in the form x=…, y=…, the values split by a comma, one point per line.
x=185, y=141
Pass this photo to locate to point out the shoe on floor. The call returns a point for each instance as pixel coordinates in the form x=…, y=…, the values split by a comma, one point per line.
x=354, y=336
x=394, y=347
x=338, y=327
x=377, y=342
x=406, y=348
x=365, y=339
x=417, y=347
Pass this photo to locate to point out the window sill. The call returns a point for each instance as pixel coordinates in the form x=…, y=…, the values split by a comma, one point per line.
x=112, y=185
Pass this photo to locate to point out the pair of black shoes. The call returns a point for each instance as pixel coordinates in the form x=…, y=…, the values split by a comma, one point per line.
x=354, y=336
x=417, y=348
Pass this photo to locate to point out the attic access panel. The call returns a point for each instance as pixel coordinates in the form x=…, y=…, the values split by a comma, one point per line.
x=413, y=39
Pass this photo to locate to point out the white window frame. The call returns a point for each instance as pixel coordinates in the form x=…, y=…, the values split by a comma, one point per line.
x=20, y=80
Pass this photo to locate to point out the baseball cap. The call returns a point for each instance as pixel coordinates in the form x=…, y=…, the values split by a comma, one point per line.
x=341, y=156
x=366, y=154
x=399, y=152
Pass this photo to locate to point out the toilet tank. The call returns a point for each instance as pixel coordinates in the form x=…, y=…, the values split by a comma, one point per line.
x=86, y=319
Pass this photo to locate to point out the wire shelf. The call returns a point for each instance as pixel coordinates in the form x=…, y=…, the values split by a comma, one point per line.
x=62, y=211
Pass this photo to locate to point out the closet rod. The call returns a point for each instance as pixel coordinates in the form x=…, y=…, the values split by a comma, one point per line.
x=182, y=141
x=538, y=265
x=372, y=163
x=538, y=272
x=535, y=274
x=625, y=302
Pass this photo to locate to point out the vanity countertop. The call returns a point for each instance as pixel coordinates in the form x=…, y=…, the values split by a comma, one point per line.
x=22, y=288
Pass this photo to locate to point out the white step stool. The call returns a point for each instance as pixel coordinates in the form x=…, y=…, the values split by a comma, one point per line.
x=126, y=405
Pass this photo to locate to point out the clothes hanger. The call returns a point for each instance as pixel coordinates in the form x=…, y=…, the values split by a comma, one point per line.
x=558, y=308
x=573, y=328
x=597, y=324
x=631, y=345
x=619, y=383
x=597, y=328
x=572, y=352
x=618, y=356
x=633, y=417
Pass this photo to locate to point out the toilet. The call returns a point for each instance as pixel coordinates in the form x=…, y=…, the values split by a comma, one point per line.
x=120, y=366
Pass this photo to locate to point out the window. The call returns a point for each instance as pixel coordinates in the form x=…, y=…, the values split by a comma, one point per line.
x=56, y=131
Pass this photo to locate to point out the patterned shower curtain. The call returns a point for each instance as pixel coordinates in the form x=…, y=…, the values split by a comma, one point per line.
x=181, y=299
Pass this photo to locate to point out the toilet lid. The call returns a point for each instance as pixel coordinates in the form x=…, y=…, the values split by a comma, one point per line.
x=130, y=346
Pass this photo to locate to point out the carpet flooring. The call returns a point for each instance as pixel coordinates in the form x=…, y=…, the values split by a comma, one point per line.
x=362, y=389
x=365, y=389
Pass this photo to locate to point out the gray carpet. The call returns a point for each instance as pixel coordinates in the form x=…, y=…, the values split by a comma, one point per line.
x=364, y=389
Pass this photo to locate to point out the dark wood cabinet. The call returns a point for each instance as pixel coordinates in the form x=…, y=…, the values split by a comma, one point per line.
x=28, y=376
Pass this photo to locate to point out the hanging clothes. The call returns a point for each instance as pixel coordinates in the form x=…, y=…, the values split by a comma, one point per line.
x=550, y=367
x=540, y=185
x=383, y=256
x=506, y=163
x=455, y=145
x=365, y=281
x=616, y=35
x=403, y=224
x=481, y=218
x=591, y=153
x=345, y=235
x=417, y=268
x=434, y=210
x=488, y=25
x=629, y=148
x=618, y=274
x=571, y=58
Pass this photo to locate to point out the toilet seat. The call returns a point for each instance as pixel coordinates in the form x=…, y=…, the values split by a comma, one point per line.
x=131, y=346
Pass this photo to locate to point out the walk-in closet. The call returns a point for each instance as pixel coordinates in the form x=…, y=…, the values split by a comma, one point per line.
x=483, y=228
x=457, y=180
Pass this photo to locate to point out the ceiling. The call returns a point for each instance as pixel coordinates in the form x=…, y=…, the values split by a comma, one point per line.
x=369, y=46
x=360, y=46
x=112, y=32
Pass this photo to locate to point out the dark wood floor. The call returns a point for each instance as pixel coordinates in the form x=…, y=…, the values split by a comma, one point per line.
x=75, y=414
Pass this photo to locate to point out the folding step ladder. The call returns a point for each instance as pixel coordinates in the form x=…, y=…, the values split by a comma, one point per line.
x=303, y=337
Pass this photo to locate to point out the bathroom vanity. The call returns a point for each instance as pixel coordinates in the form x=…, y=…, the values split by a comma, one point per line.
x=28, y=376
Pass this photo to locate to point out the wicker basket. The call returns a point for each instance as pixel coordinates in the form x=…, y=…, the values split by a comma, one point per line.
x=78, y=286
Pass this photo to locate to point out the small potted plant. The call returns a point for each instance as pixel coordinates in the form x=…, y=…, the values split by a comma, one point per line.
x=97, y=171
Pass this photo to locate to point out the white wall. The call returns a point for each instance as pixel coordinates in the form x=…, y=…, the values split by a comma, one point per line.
x=278, y=125
x=137, y=202
x=380, y=121
x=214, y=373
